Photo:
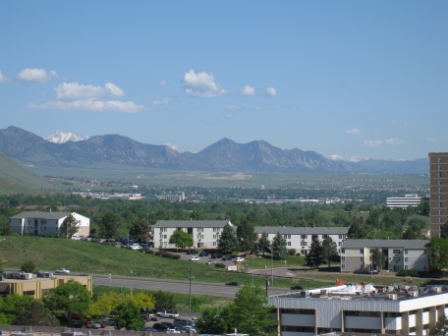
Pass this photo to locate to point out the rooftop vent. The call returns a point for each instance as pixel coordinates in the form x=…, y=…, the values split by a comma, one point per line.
x=392, y=297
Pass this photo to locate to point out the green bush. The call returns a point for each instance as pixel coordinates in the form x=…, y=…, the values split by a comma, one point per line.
x=28, y=266
x=292, y=252
x=220, y=265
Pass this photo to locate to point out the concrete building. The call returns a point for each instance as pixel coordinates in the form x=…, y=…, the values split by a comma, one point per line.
x=409, y=200
x=396, y=310
x=46, y=223
x=356, y=255
x=37, y=287
x=205, y=233
x=438, y=191
x=173, y=197
x=300, y=238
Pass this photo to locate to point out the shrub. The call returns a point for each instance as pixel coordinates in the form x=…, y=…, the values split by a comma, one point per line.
x=292, y=252
x=220, y=265
x=28, y=266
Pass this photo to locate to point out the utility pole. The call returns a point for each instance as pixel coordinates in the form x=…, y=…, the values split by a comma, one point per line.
x=190, y=277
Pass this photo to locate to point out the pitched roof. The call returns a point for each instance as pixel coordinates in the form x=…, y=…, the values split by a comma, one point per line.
x=300, y=230
x=191, y=223
x=42, y=214
x=410, y=244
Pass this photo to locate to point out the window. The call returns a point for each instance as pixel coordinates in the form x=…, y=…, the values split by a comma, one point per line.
x=405, y=266
x=200, y=229
x=324, y=236
x=214, y=244
x=397, y=251
x=303, y=243
x=342, y=266
x=341, y=236
x=304, y=236
x=289, y=243
x=343, y=250
x=361, y=251
x=406, y=251
x=342, y=258
x=405, y=259
x=165, y=237
x=215, y=237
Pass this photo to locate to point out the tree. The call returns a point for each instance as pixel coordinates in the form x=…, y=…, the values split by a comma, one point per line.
x=181, y=239
x=69, y=226
x=444, y=230
x=228, y=241
x=139, y=230
x=441, y=327
x=423, y=207
x=28, y=266
x=128, y=316
x=246, y=235
x=164, y=300
x=264, y=243
x=106, y=303
x=410, y=234
x=356, y=231
x=329, y=249
x=349, y=207
x=71, y=297
x=315, y=256
x=438, y=253
x=212, y=322
x=250, y=312
x=109, y=225
x=279, y=249
x=36, y=314
x=378, y=259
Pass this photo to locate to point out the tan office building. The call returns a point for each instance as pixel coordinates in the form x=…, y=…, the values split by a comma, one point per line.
x=438, y=191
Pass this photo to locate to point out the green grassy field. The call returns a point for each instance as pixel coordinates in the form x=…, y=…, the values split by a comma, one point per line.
x=88, y=257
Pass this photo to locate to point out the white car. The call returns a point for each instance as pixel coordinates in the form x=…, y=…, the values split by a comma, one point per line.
x=135, y=246
x=239, y=259
x=195, y=258
x=62, y=271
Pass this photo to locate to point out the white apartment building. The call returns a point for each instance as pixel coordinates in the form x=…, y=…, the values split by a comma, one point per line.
x=408, y=200
x=300, y=238
x=40, y=223
x=205, y=233
x=356, y=254
x=397, y=310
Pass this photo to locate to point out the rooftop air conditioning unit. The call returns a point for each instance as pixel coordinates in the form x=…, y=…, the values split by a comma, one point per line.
x=392, y=297
x=437, y=289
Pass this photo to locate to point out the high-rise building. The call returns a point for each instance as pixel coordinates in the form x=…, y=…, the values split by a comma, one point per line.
x=438, y=191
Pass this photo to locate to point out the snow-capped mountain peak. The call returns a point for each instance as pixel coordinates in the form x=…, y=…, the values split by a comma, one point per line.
x=61, y=137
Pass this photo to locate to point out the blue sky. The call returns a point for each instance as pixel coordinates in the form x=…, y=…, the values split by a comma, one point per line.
x=346, y=78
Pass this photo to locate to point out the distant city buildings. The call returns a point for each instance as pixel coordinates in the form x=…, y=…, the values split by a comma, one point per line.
x=173, y=197
x=106, y=196
x=408, y=200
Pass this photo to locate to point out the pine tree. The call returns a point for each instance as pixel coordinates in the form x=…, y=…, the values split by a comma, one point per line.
x=329, y=249
x=315, y=256
x=264, y=243
x=279, y=248
x=228, y=241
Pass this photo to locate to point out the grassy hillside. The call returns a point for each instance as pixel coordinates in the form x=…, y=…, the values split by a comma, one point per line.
x=89, y=257
x=15, y=178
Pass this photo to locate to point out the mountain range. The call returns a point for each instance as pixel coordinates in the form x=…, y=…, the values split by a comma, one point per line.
x=222, y=156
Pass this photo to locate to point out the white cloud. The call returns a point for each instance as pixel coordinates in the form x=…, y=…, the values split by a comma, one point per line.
x=173, y=147
x=248, y=91
x=201, y=84
x=430, y=139
x=36, y=75
x=372, y=143
x=394, y=141
x=75, y=91
x=353, y=131
x=234, y=108
x=163, y=83
x=163, y=101
x=271, y=92
x=93, y=105
x=335, y=157
x=3, y=78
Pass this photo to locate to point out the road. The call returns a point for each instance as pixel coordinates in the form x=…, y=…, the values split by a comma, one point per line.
x=176, y=286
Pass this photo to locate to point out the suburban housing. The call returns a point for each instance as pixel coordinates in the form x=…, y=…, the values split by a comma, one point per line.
x=205, y=233
x=361, y=308
x=300, y=238
x=40, y=223
x=356, y=254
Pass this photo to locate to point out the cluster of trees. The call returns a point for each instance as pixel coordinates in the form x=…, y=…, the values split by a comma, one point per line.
x=249, y=314
x=321, y=252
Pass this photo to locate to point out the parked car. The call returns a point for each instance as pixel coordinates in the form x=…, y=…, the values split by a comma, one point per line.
x=227, y=258
x=191, y=251
x=135, y=246
x=233, y=283
x=160, y=327
x=296, y=287
x=239, y=259
x=168, y=313
x=204, y=254
x=211, y=262
x=62, y=271
x=195, y=258
x=149, y=329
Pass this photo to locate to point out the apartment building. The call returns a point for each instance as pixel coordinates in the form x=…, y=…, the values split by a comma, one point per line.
x=46, y=223
x=356, y=255
x=438, y=191
x=205, y=233
x=361, y=308
x=300, y=238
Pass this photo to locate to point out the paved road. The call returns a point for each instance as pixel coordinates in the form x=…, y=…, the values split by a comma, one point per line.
x=177, y=286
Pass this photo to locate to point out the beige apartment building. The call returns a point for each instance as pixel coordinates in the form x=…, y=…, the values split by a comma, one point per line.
x=438, y=191
x=37, y=287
